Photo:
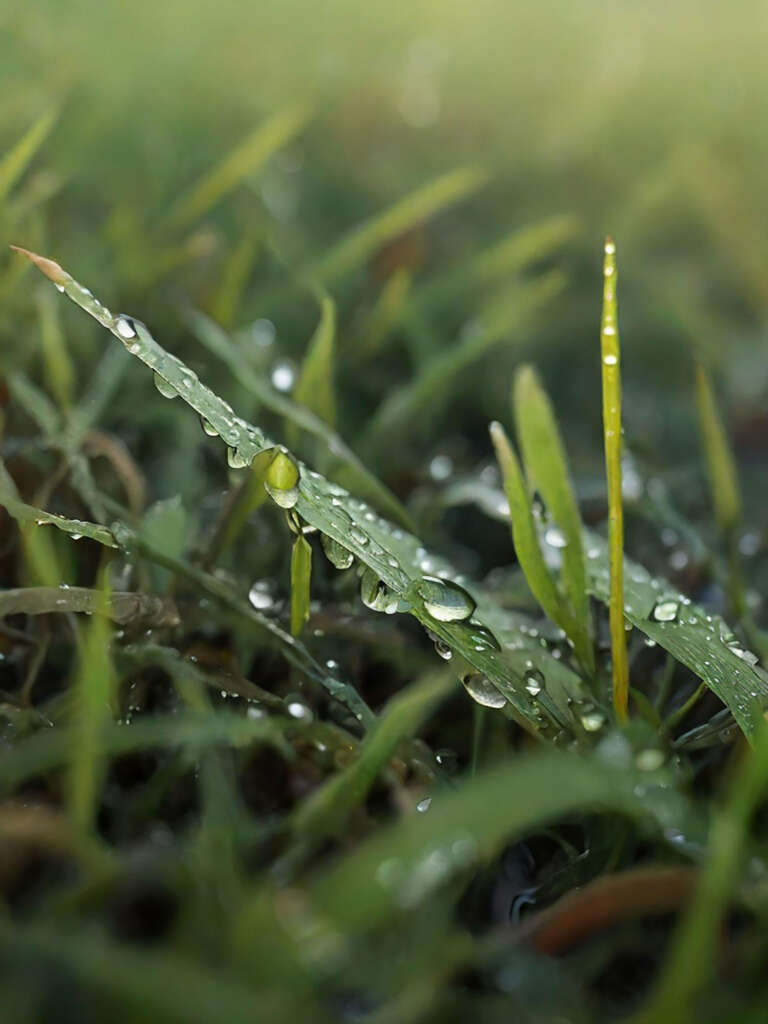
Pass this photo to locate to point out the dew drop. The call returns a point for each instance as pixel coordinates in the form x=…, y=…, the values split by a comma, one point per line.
x=592, y=719
x=336, y=553
x=166, y=389
x=124, y=326
x=260, y=595
x=235, y=460
x=534, y=681
x=482, y=690
x=444, y=600
x=209, y=429
x=376, y=595
x=665, y=610
x=555, y=537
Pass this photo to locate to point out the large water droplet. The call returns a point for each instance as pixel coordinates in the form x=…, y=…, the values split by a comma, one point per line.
x=376, y=595
x=209, y=429
x=483, y=690
x=665, y=610
x=336, y=553
x=124, y=326
x=592, y=719
x=444, y=600
x=281, y=480
x=534, y=681
x=235, y=460
x=260, y=595
x=166, y=389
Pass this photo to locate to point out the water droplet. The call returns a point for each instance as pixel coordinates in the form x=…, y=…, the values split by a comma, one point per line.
x=283, y=375
x=555, y=537
x=592, y=719
x=166, y=389
x=376, y=595
x=336, y=553
x=649, y=760
x=209, y=429
x=298, y=709
x=124, y=326
x=442, y=649
x=441, y=467
x=281, y=480
x=444, y=600
x=665, y=610
x=423, y=805
x=260, y=595
x=481, y=638
x=235, y=460
x=483, y=690
x=534, y=681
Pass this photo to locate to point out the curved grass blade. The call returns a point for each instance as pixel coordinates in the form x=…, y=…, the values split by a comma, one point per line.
x=611, y=373
x=701, y=641
x=403, y=865
x=547, y=470
x=314, y=389
x=397, y=559
x=245, y=159
x=122, y=607
x=403, y=215
x=16, y=160
x=301, y=576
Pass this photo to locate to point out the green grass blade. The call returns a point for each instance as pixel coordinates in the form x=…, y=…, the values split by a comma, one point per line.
x=403, y=865
x=301, y=576
x=397, y=558
x=244, y=160
x=611, y=373
x=59, y=372
x=403, y=215
x=16, y=160
x=35, y=403
x=122, y=607
x=314, y=389
x=695, y=637
x=721, y=468
x=326, y=810
x=525, y=535
x=546, y=467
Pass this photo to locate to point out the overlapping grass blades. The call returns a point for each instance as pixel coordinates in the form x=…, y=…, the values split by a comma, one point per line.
x=397, y=558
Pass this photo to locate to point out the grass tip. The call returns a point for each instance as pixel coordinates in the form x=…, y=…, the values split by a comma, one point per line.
x=50, y=268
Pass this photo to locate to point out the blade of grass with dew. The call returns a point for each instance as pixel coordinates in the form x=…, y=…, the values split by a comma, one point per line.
x=396, y=558
x=440, y=376
x=314, y=388
x=244, y=160
x=301, y=576
x=219, y=344
x=59, y=372
x=120, y=606
x=94, y=691
x=547, y=470
x=525, y=535
x=403, y=865
x=611, y=374
x=689, y=964
x=324, y=812
x=402, y=216
x=16, y=160
x=696, y=638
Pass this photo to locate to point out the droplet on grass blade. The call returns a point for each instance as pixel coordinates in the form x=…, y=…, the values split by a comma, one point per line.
x=444, y=600
x=482, y=690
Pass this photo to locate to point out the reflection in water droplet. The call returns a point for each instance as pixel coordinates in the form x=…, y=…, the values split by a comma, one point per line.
x=534, y=681
x=124, y=326
x=166, y=390
x=665, y=610
x=483, y=690
x=376, y=595
x=336, y=553
x=444, y=600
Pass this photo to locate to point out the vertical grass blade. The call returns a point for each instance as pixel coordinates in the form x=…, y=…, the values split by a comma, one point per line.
x=547, y=471
x=611, y=373
x=721, y=468
x=15, y=161
x=301, y=574
x=59, y=372
x=245, y=159
x=524, y=534
x=314, y=389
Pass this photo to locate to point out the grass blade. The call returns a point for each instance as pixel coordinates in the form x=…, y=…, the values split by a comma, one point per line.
x=721, y=468
x=314, y=389
x=611, y=373
x=301, y=575
x=16, y=160
x=547, y=470
x=59, y=372
x=244, y=160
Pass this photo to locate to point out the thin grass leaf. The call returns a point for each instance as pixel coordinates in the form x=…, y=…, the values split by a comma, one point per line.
x=546, y=467
x=386, y=314
x=122, y=607
x=94, y=690
x=402, y=866
x=440, y=376
x=402, y=216
x=219, y=343
x=241, y=504
x=611, y=374
x=59, y=372
x=721, y=468
x=314, y=388
x=16, y=160
x=696, y=638
x=35, y=403
x=246, y=159
x=326, y=810
x=525, y=535
x=236, y=271
x=301, y=576
x=396, y=558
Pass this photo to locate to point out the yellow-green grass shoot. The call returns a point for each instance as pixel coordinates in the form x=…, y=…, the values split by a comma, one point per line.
x=301, y=575
x=611, y=374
